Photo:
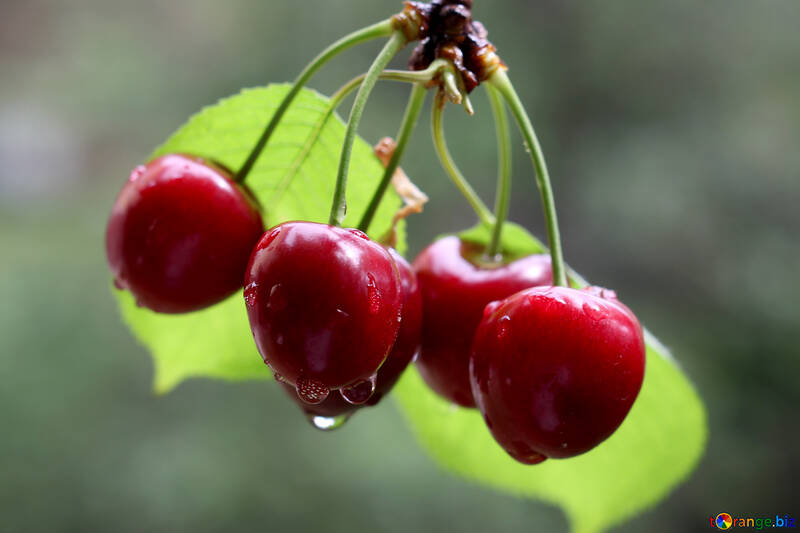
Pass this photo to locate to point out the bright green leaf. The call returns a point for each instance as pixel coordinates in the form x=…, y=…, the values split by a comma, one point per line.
x=656, y=447
x=294, y=180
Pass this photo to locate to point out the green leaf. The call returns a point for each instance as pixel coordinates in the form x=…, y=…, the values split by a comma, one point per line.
x=656, y=447
x=293, y=180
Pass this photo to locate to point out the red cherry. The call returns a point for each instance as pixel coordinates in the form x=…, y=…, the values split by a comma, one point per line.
x=324, y=305
x=180, y=234
x=403, y=351
x=455, y=290
x=555, y=370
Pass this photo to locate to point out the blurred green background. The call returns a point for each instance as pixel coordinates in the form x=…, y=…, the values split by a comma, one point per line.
x=672, y=129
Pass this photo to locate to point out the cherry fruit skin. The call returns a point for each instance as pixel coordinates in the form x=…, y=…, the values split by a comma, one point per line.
x=401, y=354
x=324, y=305
x=555, y=370
x=455, y=290
x=180, y=234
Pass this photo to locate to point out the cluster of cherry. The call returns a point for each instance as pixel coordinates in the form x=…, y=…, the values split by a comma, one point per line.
x=339, y=317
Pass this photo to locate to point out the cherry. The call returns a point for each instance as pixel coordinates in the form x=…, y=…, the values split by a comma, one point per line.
x=325, y=306
x=180, y=234
x=403, y=351
x=455, y=290
x=555, y=370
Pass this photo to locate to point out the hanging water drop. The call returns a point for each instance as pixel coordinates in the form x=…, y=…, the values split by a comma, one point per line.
x=359, y=392
x=327, y=423
x=311, y=391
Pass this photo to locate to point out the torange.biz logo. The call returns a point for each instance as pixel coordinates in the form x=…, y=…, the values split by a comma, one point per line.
x=727, y=521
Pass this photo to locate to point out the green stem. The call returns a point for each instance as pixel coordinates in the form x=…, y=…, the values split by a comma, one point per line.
x=415, y=77
x=415, y=102
x=503, y=170
x=396, y=42
x=500, y=81
x=450, y=167
x=381, y=29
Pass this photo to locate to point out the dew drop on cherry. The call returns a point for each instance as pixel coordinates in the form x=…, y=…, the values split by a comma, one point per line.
x=359, y=392
x=503, y=327
x=358, y=233
x=119, y=285
x=593, y=311
x=137, y=172
x=491, y=307
x=278, y=300
x=250, y=294
x=311, y=391
x=278, y=378
x=327, y=423
x=269, y=237
x=373, y=295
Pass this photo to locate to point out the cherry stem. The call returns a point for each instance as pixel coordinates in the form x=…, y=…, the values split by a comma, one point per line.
x=413, y=109
x=381, y=29
x=449, y=165
x=501, y=82
x=339, y=206
x=409, y=76
x=415, y=77
x=504, y=156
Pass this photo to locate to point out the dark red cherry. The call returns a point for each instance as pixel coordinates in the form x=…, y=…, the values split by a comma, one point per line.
x=401, y=354
x=455, y=289
x=555, y=370
x=180, y=234
x=325, y=306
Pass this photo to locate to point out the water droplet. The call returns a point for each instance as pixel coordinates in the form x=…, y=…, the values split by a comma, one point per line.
x=136, y=173
x=327, y=423
x=359, y=392
x=503, y=327
x=595, y=312
x=278, y=378
x=119, y=284
x=358, y=233
x=250, y=294
x=268, y=237
x=311, y=391
x=373, y=295
x=491, y=307
x=278, y=300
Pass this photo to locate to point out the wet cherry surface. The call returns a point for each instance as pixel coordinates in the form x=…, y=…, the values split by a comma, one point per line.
x=324, y=305
x=455, y=290
x=180, y=234
x=399, y=357
x=555, y=370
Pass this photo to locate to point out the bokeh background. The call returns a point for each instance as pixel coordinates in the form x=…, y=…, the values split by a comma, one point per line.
x=672, y=130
